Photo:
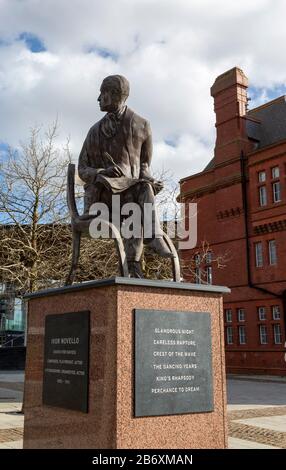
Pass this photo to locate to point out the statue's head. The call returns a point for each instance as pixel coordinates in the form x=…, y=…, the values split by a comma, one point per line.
x=114, y=91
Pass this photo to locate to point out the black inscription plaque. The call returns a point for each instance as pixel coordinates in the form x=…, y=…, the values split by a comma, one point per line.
x=66, y=361
x=173, y=362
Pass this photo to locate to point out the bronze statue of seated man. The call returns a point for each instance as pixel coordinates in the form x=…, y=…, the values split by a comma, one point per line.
x=115, y=160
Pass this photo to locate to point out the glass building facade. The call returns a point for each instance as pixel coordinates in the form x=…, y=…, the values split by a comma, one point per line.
x=12, y=317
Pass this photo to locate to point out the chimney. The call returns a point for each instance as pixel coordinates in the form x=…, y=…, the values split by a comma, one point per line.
x=230, y=104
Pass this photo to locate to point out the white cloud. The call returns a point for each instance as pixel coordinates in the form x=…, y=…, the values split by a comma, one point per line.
x=190, y=152
x=170, y=50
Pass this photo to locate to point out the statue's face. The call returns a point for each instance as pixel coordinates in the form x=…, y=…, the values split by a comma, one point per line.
x=108, y=99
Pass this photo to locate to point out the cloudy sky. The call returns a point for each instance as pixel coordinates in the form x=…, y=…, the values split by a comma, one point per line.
x=55, y=53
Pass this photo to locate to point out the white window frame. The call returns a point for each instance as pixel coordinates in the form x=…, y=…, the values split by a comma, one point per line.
x=275, y=171
x=262, y=176
x=242, y=335
x=209, y=273
x=262, y=313
x=258, y=254
x=272, y=250
x=276, y=312
x=208, y=257
x=262, y=196
x=241, y=314
x=198, y=276
x=197, y=259
x=228, y=315
x=276, y=191
x=277, y=335
x=263, y=336
x=229, y=335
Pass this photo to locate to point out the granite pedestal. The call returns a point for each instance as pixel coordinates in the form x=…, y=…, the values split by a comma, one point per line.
x=110, y=419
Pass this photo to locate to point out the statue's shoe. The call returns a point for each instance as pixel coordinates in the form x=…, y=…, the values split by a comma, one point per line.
x=159, y=246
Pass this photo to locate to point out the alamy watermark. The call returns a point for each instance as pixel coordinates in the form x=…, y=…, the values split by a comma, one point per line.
x=131, y=220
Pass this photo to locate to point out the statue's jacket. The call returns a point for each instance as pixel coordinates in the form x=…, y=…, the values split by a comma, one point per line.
x=130, y=149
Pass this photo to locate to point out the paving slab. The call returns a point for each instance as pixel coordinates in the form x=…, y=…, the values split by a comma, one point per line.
x=12, y=445
x=11, y=419
x=10, y=406
x=276, y=423
x=235, y=443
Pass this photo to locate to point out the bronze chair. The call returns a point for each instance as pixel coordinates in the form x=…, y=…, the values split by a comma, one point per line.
x=80, y=227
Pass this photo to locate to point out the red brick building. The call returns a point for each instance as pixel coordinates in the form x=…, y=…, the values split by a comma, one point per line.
x=241, y=197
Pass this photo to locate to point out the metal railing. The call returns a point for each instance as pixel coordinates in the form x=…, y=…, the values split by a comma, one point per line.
x=3, y=345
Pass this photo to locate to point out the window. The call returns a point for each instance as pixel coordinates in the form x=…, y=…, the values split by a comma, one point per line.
x=262, y=196
x=3, y=322
x=197, y=259
x=276, y=191
x=241, y=314
x=241, y=335
x=229, y=335
x=3, y=306
x=277, y=334
x=208, y=257
x=276, y=312
x=197, y=276
x=258, y=255
x=228, y=315
x=10, y=288
x=272, y=252
x=275, y=172
x=261, y=176
x=263, y=334
x=209, y=275
x=261, y=313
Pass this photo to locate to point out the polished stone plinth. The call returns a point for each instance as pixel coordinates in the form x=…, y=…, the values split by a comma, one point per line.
x=110, y=422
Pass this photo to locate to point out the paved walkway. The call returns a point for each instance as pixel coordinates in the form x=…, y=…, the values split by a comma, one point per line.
x=11, y=420
x=256, y=411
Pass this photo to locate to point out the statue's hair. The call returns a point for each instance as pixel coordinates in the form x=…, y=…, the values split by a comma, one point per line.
x=118, y=83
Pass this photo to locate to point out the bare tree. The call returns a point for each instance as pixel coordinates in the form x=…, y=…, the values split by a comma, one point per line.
x=33, y=211
x=196, y=266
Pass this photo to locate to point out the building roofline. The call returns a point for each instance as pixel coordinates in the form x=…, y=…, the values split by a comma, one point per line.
x=203, y=172
x=265, y=105
x=252, y=118
x=267, y=147
x=218, y=165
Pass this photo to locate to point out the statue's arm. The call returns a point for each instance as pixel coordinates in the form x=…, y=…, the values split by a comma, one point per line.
x=86, y=171
x=146, y=154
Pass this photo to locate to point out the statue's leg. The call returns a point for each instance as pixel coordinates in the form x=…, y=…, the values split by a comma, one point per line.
x=153, y=234
x=133, y=249
x=151, y=223
x=133, y=246
x=91, y=195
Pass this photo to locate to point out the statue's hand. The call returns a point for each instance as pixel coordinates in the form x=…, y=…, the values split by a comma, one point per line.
x=112, y=171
